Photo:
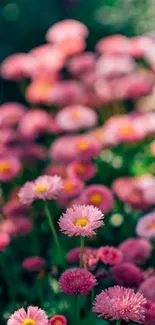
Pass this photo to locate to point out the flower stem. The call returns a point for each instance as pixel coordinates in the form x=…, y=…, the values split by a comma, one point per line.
x=39, y=291
x=51, y=224
x=7, y=278
x=77, y=310
x=81, y=250
x=118, y=322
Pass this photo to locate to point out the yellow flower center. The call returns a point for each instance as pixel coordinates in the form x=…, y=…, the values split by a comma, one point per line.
x=29, y=321
x=40, y=189
x=58, y=322
x=151, y=225
x=126, y=130
x=4, y=167
x=68, y=187
x=81, y=169
x=96, y=198
x=82, y=222
x=82, y=145
x=75, y=115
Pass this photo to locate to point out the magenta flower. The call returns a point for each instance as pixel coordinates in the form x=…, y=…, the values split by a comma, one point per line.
x=44, y=187
x=58, y=320
x=147, y=288
x=71, y=188
x=81, y=170
x=110, y=255
x=10, y=167
x=120, y=303
x=11, y=113
x=81, y=220
x=149, y=313
x=136, y=250
x=90, y=258
x=14, y=208
x=146, y=226
x=127, y=274
x=33, y=316
x=99, y=196
x=4, y=241
x=77, y=282
x=33, y=263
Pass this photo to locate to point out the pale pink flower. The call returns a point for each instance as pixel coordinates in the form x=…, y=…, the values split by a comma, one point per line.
x=31, y=316
x=110, y=255
x=136, y=250
x=19, y=227
x=10, y=167
x=40, y=91
x=81, y=220
x=86, y=147
x=82, y=64
x=44, y=187
x=14, y=208
x=33, y=263
x=99, y=196
x=16, y=66
x=114, y=44
x=58, y=320
x=147, y=288
x=81, y=170
x=138, y=84
x=11, y=113
x=63, y=149
x=4, y=241
x=120, y=303
x=90, y=258
x=112, y=66
x=72, y=46
x=65, y=30
x=139, y=46
x=146, y=226
x=67, y=92
x=76, y=117
x=71, y=187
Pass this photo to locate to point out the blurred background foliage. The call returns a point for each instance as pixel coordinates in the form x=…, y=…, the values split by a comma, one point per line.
x=23, y=23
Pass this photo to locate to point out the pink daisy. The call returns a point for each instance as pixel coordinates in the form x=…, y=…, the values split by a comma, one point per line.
x=146, y=226
x=77, y=282
x=81, y=170
x=110, y=255
x=67, y=92
x=140, y=45
x=63, y=149
x=71, y=187
x=56, y=169
x=82, y=64
x=16, y=66
x=14, y=208
x=147, y=288
x=127, y=274
x=99, y=196
x=90, y=258
x=31, y=316
x=150, y=313
x=120, y=303
x=34, y=263
x=112, y=66
x=44, y=187
x=39, y=91
x=77, y=117
x=11, y=113
x=20, y=227
x=58, y=320
x=86, y=147
x=4, y=241
x=81, y=220
x=136, y=250
x=10, y=167
x=72, y=46
x=114, y=44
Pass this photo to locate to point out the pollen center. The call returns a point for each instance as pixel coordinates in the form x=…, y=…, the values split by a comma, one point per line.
x=126, y=130
x=40, y=189
x=4, y=167
x=81, y=222
x=82, y=145
x=58, y=322
x=81, y=169
x=29, y=321
x=151, y=225
x=75, y=115
x=68, y=187
x=96, y=198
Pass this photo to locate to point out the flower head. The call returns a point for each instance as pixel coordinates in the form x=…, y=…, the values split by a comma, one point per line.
x=149, y=313
x=136, y=250
x=34, y=263
x=146, y=226
x=58, y=320
x=81, y=220
x=81, y=170
x=110, y=255
x=4, y=241
x=10, y=114
x=73, y=256
x=10, y=167
x=16, y=66
x=120, y=303
x=72, y=187
x=77, y=282
x=147, y=288
x=31, y=316
x=127, y=274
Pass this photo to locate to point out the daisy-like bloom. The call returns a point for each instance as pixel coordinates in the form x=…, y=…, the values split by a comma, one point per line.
x=20, y=227
x=136, y=250
x=99, y=196
x=81, y=220
x=63, y=149
x=82, y=64
x=58, y=320
x=44, y=187
x=86, y=147
x=114, y=44
x=77, y=282
x=76, y=117
x=72, y=46
x=127, y=274
x=110, y=255
x=67, y=92
x=149, y=313
x=146, y=226
x=13, y=208
x=81, y=170
x=120, y=303
x=73, y=256
x=66, y=30
x=56, y=169
x=71, y=187
x=16, y=66
x=147, y=288
x=39, y=91
x=140, y=46
x=32, y=316
x=4, y=241
x=112, y=66
x=33, y=263
x=10, y=167
x=10, y=114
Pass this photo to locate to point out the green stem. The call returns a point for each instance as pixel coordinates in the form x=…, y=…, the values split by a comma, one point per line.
x=77, y=310
x=51, y=224
x=81, y=250
x=118, y=322
x=7, y=278
x=39, y=291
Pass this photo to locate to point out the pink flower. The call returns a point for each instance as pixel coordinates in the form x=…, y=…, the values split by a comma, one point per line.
x=146, y=226
x=99, y=196
x=111, y=65
x=120, y=303
x=82, y=64
x=34, y=263
x=58, y=320
x=14, y=208
x=67, y=92
x=149, y=313
x=72, y=46
x=77, y=117
x=56, y=169
x=81, y=220
x=147, y=288
x=86, y=147
x=71, y=188
x=63, y=149
x=39, y=91
x=10, y=167
x=114, y=44
x=16, y=66
x=140, y=45
x=127, y=274
x=11, y=113
x=19, y=227
x=73, y=256
x=90, y=258
x=44, y=187
x=33, y=152
x=81, y=170
x=77, y=282
x=33, y=316
x=110, y=255
x=65, y=30
x=136, y=250
x=4, y=241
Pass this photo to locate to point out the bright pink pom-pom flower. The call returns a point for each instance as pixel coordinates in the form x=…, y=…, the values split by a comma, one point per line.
x=149, y=313
x=31, y=316
x=34, y=263
x=99, y=196
x=4, y=241
x=136, y=250
x=58, y=320
x=44, y=187
x=81, y=220
x=146, y=226
x=147, y=288
x=127, y=274
x=120, y=303
x=110, y=255
x=81, y=170
x=77, y=282
x=10, y=167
